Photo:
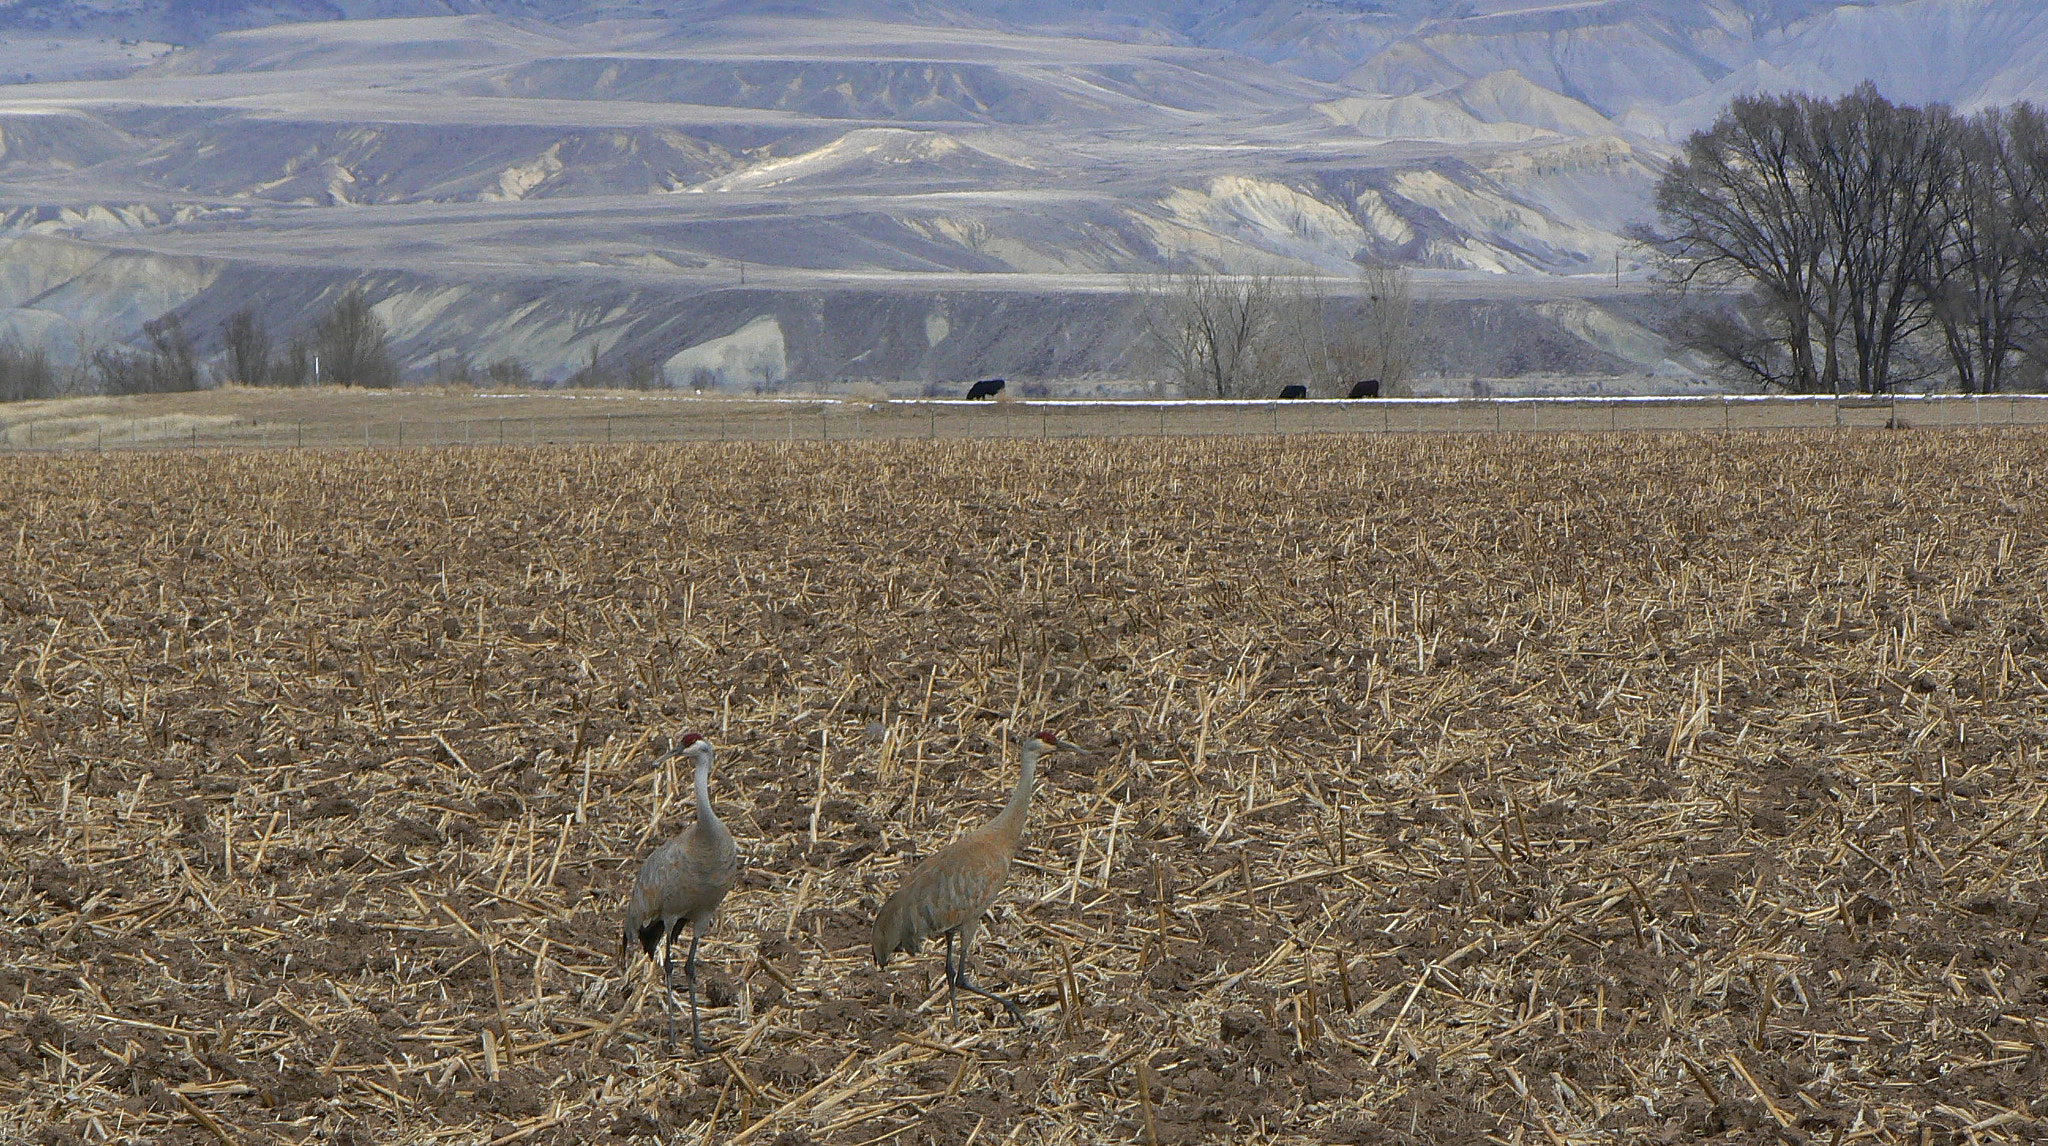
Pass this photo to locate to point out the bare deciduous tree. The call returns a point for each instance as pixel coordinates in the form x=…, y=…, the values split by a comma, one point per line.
x=1882, y=170
x=1985, y=279
x=1312, y=342
x=642, y=374
x=352, y=345
x=1245, y=336
x=1210, y=334
x=1329, y=340
x=246, y=346
x=1749, y=338
x=1853, y=232
x=1736, y=211
x=294, y=367
x=453, y=370
x=591, y=376
x=1395, y=326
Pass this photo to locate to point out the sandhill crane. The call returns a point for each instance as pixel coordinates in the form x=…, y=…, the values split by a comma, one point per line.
x=948, y=893
x=682, y=882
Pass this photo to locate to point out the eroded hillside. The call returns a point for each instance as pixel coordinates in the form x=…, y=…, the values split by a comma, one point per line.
x=614, y=184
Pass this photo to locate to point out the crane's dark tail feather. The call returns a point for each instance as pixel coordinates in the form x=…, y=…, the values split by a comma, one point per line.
x=649, y=935
x=650, y=939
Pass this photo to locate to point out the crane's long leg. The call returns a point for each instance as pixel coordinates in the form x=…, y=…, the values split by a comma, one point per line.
x=959, y=975
x=690, y=975
x=951, y=973
x=668, y=982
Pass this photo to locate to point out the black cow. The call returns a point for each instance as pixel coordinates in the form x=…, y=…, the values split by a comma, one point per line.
x=986, y=388
x=1370, y=388
x=1293, y=392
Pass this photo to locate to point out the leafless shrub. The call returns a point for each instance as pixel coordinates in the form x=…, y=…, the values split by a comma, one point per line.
x=509, y=374
x=26, y=373
x=453, y=370
x=1245, y=336
x=166, y=365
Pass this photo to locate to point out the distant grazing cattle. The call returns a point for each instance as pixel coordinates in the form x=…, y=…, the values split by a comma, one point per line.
x=986, y=388
x=1370, y=388
x=1294, y=391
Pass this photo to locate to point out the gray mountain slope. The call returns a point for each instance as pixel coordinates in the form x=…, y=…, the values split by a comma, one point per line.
x=893, y=179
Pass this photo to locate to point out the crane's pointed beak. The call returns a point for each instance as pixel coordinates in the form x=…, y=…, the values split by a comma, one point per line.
x=1068, y=745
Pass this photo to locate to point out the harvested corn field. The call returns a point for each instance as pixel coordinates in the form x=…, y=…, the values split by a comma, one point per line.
x=1444, y=789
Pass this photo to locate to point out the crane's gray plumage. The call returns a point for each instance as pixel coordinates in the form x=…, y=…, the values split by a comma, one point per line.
x=949, y=892
x=682, y=882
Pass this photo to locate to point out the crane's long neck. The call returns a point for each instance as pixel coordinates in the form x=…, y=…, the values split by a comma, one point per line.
x=1011, y=821
x=704, y=813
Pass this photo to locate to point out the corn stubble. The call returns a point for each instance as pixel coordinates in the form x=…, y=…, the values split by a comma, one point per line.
x=1567, y=789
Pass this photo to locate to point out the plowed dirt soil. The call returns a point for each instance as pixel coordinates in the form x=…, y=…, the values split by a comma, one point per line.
x=1436, y=789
